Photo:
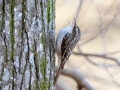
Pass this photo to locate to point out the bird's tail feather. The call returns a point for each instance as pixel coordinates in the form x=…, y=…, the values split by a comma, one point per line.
x=57, y=75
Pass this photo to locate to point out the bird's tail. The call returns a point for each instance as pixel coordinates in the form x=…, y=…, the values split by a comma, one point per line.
x=57, y=75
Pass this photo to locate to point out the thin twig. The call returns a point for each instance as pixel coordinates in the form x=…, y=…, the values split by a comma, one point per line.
x=100, y=56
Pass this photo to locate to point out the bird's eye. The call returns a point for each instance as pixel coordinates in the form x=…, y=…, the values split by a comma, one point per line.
x=74, y=27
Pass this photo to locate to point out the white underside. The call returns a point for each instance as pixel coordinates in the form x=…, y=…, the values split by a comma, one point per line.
x=61, y=34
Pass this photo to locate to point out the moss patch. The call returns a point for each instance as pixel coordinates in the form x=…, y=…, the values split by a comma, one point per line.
x=48, y=11
x=43, y=66
x=12, y=40
x=43, y=38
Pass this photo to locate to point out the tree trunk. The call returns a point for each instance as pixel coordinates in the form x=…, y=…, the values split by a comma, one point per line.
x=27, y=59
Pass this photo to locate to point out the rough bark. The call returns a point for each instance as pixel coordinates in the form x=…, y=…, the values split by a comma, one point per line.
x=27, y=58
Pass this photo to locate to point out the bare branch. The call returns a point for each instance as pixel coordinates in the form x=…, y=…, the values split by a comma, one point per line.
x=102, y=29
x=100, y=56
x=78, y=77
x=62, y=86
x=112, y=78
x=78, y=9
x=112, y=53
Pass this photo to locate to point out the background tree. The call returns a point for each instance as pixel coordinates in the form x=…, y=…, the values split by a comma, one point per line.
x=26, y=53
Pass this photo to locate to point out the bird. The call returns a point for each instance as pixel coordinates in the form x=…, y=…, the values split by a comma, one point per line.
x=65, y=43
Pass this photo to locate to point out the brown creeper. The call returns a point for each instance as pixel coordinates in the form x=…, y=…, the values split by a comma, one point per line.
x=65, y=43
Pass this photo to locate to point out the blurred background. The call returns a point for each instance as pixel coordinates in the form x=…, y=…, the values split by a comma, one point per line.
x=97, y=55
